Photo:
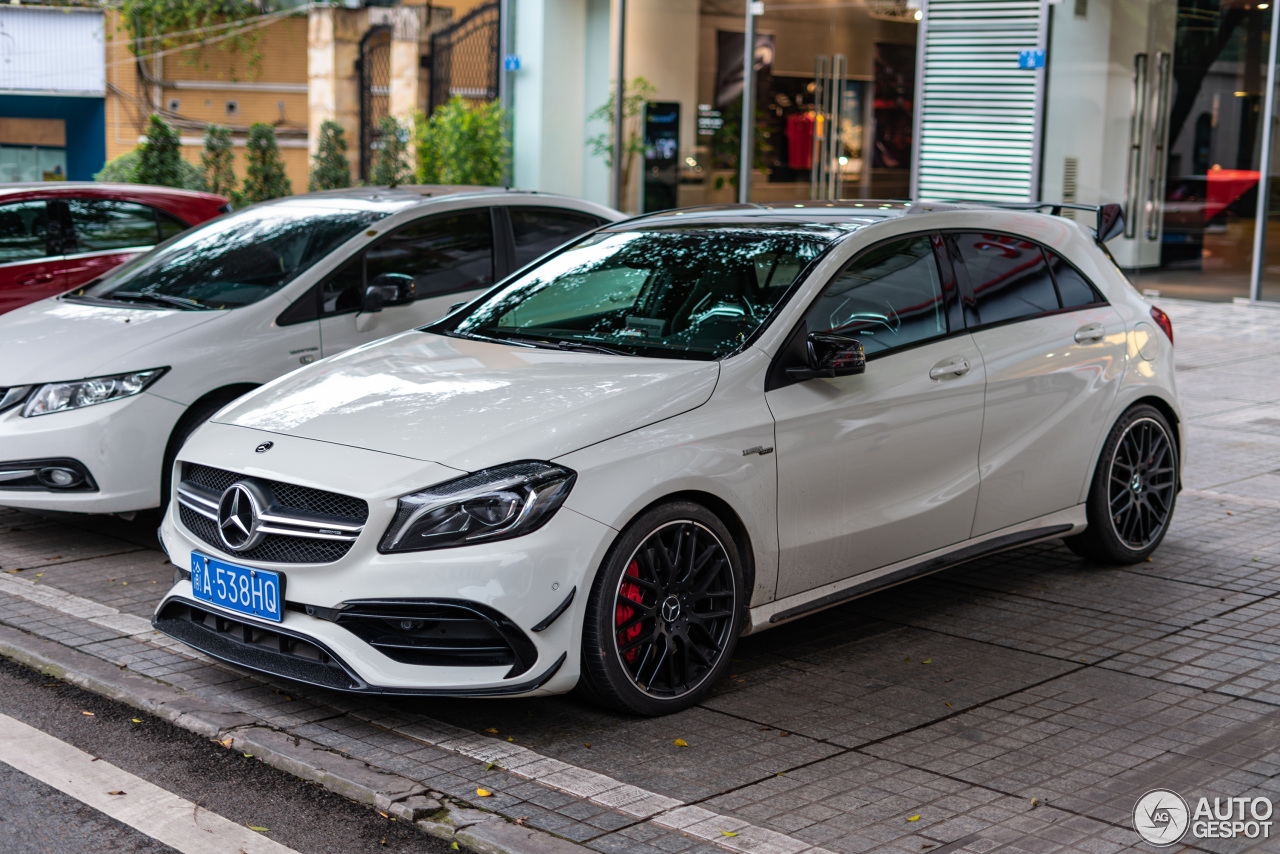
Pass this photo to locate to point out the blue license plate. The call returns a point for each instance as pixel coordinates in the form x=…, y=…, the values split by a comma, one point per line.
x=255, y=592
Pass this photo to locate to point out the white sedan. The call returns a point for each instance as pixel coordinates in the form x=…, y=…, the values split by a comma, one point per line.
x=680, y=429
x=100, y=387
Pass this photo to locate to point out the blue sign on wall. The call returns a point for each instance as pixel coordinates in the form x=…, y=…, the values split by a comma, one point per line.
x=511, y=62
x=1031, y=58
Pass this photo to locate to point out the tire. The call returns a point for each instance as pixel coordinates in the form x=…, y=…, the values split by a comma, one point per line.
x=1134, y=489
x=664, y=612
x=187, y=424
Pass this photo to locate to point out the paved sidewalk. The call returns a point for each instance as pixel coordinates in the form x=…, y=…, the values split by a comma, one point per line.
x=1019, y=703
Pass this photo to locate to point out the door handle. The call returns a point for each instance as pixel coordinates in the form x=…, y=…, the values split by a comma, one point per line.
x=37, y=280
x=1090, y=332
x=958, y=367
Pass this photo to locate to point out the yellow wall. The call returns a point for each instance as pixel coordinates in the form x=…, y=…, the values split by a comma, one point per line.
x=265, y=95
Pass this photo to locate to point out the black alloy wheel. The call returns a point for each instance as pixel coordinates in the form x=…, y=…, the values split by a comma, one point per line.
x=1134, y=490
x=665, y=612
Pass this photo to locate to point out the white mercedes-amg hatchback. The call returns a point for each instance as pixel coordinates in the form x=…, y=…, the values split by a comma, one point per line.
x=680, y=429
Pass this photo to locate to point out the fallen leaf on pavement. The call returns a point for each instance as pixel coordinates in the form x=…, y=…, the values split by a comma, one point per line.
x=521, y=820
x=948, y=704
x=680, y=742
x=454, y=845
x=926, y=661
x=727, y=833
x=259, y=829
x=248, y=756
x=137, y=720
x=90, y=714
x=1035, y=802
x=492, y=730
x=384, y=815
x=484, y=793
x=914, y=818
x=226, y=742
x=117, y=792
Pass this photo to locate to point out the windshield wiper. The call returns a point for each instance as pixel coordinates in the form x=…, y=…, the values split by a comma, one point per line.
x=584, y=347
x=161, y=299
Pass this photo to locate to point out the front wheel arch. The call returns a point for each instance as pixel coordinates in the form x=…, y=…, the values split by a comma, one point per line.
x=196, y=414
x=728, y=516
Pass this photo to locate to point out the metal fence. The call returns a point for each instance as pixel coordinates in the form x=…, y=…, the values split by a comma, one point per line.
x=464, y=59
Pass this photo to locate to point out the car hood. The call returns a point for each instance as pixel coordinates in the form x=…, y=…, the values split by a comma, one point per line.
x=53, y=340
x=472, y=404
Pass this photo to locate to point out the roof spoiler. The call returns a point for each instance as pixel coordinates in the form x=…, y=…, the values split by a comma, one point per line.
x=1110, y=217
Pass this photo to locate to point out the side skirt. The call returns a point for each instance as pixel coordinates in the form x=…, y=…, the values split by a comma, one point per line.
x=828, y=596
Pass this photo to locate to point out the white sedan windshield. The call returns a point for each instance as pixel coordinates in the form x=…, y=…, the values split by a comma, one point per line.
x=234, y=260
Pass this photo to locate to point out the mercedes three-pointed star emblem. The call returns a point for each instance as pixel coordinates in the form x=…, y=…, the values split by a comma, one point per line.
x=238, y=512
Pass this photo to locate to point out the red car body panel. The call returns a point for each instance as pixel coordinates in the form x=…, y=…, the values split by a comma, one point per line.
x=45, y=250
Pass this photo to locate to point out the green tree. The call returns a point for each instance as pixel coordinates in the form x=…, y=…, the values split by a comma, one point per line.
x=124, y=170
x=390, y=159
x=160, y=159
x=463, y=143
x=217, y=159
x=264, y=175
x=330, y=169
x=638, y=92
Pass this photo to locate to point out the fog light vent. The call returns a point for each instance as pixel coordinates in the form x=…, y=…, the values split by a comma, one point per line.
x=57, y=477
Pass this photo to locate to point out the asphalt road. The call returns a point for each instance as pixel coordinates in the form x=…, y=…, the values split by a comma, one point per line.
x=35, y=818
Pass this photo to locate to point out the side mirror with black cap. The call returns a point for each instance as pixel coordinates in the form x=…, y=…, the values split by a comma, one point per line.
x=388, y=289
x=829, y=355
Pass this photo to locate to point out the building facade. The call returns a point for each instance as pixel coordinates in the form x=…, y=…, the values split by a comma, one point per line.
x=52, y=93
x=1159, y=105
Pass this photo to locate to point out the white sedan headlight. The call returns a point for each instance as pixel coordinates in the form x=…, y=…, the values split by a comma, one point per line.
x=59, y=397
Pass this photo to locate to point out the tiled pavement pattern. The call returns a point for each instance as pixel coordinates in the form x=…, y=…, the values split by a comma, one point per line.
x=958, y=699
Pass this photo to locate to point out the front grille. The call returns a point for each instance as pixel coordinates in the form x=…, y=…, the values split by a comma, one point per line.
x=306, y=511
x=443, y=633
x=289, y=495
x=273, y=549
x=254, y=646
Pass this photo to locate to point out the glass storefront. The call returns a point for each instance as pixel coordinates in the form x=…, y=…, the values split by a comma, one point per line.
x=834, y=86
x=1156, y=104
x=1172, y=129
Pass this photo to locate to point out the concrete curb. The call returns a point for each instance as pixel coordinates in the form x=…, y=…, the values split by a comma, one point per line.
x=478, y=830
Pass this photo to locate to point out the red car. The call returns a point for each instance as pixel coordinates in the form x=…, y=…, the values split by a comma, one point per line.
x=57, y=236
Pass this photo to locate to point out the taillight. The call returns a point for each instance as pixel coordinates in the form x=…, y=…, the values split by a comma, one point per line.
x=1162, y=320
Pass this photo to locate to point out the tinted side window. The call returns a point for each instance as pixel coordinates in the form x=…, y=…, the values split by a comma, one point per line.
x=444, y=254
x=102, y=224
x=1073, y=288
x=1009, y=276
x=539, y=230
x=23, y=231
x=888, y=298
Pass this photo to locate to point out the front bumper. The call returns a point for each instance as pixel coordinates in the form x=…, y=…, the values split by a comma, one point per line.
x=280, y=652
x=523, y=581
x=120, y=444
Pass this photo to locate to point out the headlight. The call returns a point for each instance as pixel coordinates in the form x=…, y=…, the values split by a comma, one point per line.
x=494, y=504
x=58, y=397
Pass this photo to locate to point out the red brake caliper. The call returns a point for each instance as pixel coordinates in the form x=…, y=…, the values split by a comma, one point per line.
x=623, y=613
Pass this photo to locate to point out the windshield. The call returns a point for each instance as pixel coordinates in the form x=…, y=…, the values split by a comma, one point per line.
x=688, y=294
x=234, y=260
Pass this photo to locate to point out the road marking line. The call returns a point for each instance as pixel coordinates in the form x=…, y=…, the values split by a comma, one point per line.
x=145, y=807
